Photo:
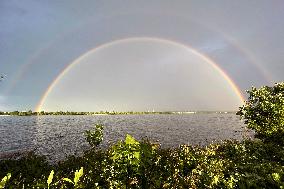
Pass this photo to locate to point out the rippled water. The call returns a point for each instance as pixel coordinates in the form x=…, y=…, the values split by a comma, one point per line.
x=58, y=136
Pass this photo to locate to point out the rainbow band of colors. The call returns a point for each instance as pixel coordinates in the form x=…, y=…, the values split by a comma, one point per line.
x=207, y=59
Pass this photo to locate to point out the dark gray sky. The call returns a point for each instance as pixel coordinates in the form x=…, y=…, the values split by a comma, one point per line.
x=39, y=39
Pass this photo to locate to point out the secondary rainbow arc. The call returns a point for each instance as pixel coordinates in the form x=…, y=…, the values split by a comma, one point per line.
x=229, y=39
x=207, y=59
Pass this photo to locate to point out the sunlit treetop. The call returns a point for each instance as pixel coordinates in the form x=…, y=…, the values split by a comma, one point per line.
x=264, y=111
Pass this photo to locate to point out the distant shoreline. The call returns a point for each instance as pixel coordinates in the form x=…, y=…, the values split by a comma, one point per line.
x=30, y=113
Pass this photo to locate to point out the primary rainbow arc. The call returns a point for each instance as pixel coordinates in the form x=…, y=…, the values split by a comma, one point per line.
x=207, y=59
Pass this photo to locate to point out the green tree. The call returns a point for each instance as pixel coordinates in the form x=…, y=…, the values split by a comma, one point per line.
x=264, y=112
x=15, y=113
x=95, y=137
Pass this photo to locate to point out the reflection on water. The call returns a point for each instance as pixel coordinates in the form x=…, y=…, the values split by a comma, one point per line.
x=58, y=136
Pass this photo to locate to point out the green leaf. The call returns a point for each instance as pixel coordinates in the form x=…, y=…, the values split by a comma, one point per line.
x=130, y=140
x=5, y=180
x=78, y=174
x=276, y=177
x=136, y=155
x=68, y=180
x=215, y=180
x=49, y=180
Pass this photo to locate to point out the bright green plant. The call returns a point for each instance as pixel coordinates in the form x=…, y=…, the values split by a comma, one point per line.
x=50, y=178
x=129, y=162
x=95, y=137
x=125, y=158
x=127, y=151
x=77, y=176
x=75, y=182
x=5, y=180
x=264, y=111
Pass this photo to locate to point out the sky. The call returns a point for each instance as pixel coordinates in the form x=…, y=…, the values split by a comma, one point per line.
x=137, y=55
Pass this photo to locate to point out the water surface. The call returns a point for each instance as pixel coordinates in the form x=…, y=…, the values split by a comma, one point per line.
x=59, y=136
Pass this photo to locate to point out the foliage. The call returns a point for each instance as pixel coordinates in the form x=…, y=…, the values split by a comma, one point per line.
x=264, y=112
x=4, y=180
x=129, y=163
x=95, y=137
x=50, y=178
x=77, y=176
x=25, y=170
x=75, y=182
x=142, y=164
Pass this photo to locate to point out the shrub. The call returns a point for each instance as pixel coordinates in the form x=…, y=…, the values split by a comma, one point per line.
x=264, y=112
x=140, y=164
x=95, y=137
x=129, y=163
